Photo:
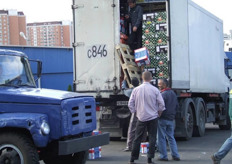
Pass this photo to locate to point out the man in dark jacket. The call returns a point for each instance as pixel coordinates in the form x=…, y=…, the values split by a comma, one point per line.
x=166, y=122
x=135, y=17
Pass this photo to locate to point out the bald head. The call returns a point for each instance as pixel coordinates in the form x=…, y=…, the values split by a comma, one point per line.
x=147, y=76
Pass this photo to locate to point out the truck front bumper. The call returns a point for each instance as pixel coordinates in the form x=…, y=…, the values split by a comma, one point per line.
x=82, y=144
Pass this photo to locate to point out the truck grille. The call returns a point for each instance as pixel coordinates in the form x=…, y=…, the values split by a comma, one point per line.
x=78, y=115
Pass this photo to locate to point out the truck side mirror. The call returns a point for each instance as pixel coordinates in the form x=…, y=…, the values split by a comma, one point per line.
x=39, y=69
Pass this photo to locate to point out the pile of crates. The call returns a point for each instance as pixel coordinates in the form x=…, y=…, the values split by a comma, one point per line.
x=155, y=40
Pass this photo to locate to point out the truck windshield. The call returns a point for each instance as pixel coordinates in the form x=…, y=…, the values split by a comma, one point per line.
x=15, y=71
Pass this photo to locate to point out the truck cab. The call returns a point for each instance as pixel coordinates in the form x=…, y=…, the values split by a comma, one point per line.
x=42, y=124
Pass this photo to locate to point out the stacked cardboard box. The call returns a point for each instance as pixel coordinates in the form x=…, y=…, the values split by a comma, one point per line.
x=95, y=153
x=144, y=147
x=156, y=41
x=142, y=56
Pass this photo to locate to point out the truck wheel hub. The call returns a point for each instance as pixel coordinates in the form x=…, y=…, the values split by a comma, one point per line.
x=9, y=158
x=9, y=155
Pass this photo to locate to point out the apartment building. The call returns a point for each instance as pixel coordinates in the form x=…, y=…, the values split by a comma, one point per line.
x=12, y=23
x=55, y=34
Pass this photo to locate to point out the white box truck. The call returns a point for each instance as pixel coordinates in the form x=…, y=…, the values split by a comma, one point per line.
x=195, y=62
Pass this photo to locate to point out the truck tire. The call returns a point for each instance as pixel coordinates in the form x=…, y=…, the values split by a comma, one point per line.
x=76, y=158
x=188, y=117
x=228, y=121
x=82, y=157
x=228, y=124
x=17, y=148
x=199, y=130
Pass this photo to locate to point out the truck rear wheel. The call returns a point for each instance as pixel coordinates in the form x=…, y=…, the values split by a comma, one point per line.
x=17, y=148
x=76, y=158
x=188, y=118
x=199, y=130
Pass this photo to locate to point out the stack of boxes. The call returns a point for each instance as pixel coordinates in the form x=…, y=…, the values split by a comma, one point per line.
x=144, y=147
x=95, y=153
x=155, y=40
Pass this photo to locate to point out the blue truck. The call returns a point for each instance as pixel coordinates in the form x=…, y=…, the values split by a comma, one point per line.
x=42, y=124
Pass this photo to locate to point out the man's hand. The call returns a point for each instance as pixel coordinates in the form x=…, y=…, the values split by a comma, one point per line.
x=134, y=29
x=160, y=112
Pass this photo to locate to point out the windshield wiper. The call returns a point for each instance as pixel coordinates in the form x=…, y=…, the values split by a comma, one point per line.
x=26, y=85
x=9, y=85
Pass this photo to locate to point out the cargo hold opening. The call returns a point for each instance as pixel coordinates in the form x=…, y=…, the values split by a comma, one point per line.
x=154, y=38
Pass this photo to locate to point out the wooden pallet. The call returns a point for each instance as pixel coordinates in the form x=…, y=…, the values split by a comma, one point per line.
x=127, y=61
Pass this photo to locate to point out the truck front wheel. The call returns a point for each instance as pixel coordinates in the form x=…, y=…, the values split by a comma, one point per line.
x=17, y=148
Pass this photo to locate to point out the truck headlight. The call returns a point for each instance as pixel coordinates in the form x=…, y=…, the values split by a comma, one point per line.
x=45, y=129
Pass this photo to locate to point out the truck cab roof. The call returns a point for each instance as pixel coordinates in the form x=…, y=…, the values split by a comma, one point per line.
x=12, y=52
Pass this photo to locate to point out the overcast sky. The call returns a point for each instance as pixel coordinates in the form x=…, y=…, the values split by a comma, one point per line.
x=57, y=10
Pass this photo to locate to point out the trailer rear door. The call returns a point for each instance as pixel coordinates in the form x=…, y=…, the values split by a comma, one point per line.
x=180, y=73
x=94, y=42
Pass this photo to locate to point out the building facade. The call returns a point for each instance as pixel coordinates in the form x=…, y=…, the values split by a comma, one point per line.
x=12, y=23
x=51, y=34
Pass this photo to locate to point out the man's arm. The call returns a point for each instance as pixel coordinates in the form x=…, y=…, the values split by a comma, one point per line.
x=140, y=17
x=161, y=104
x=127, y=91
x=124, y=85
x=131, y=103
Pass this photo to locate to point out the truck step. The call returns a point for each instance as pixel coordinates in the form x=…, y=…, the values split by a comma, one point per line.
x=127, y=61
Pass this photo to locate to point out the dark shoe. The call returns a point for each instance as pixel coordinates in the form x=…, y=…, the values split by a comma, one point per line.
x=126, y=149
x=176, y=159
x=162, y=159
x=215, y=160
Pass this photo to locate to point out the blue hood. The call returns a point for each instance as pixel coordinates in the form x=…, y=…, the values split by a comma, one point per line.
x=35, y=95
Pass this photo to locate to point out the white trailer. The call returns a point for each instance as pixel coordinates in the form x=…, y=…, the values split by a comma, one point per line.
x=195, y=62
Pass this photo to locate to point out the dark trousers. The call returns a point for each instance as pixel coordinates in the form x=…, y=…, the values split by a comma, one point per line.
x=135, y=39
x=131, y=131
x=152, y=132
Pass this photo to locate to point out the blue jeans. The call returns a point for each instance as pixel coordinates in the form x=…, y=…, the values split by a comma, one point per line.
x=225, y=148
x=166, y=130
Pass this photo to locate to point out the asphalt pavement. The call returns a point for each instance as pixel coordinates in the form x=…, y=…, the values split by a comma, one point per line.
x=197, y=150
